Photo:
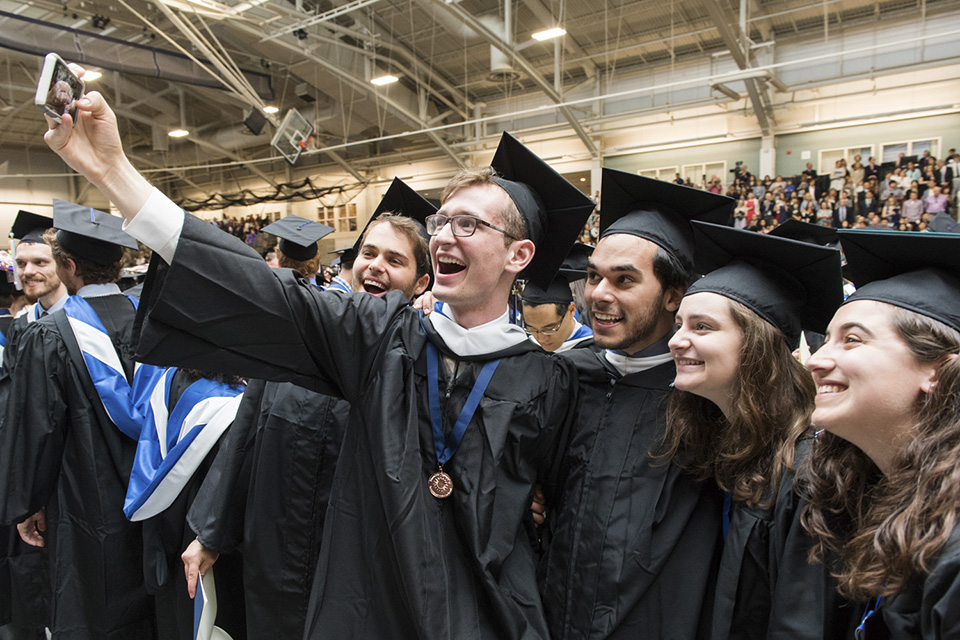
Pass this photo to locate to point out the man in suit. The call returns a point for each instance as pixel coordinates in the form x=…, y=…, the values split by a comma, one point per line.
x=843, y=213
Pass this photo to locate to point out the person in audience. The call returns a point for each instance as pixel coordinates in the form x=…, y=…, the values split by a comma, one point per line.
x=935, y=201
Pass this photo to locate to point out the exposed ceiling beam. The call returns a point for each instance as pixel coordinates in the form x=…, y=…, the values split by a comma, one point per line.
x=366, y=88
x=497, y=40
x=570, y=43
x=346, y=166
x=735, y=40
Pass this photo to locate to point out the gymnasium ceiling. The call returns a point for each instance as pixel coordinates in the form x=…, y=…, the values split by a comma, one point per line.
x=456, y=62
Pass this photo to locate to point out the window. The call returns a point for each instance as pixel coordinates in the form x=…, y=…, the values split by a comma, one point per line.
x=829, y=157
x=700, y=174
x=326, y=215
x=660, y=173
x=342, y=217
x=890, y=151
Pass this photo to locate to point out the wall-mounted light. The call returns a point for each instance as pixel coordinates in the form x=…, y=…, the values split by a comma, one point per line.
x=547, y=34
x=382, y=80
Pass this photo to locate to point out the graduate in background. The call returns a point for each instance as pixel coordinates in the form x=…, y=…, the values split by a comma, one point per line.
x=68, y=438
x=740, y=415
x=882, y=477
x=550, y=315
x=632, y=540
x=268, y=489
x=343, y=281
x=37, y=273
x=455, y=417
x=297, y=248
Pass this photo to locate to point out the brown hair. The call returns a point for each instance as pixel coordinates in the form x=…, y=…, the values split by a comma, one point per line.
x=773, y=399
x=413, y=232
x=89, y=272
x=888, y=527
x=306, y=268
x=510, y=217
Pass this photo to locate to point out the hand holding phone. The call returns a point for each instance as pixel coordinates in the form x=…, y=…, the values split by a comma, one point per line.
x=59, y=88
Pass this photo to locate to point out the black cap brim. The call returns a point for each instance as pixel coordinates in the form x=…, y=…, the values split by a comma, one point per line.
x=792, y=285
x=574, y=266
x=90, y=234
x=557, y=293
x=554, y=209
x=658, y=211
x=915, y=271
x=29, y=227
x=298, y=236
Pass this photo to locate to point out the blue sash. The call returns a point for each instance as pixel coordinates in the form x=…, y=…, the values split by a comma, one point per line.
x=123, y=402
x=173, y=443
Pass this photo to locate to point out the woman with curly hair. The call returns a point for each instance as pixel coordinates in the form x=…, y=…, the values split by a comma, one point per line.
x=884, y=476
x=740, y=414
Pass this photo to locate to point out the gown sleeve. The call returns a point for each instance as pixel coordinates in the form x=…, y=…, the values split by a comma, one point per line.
x=940, y=611
x=218, y=306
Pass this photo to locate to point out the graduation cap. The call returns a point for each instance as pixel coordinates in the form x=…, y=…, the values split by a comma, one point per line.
x=919, y=272
x=298, y=236
x=574, y=266
x=401, y=200
x=943, y=223
x=90, y=234
x=554, y=210
x=29, y=227
x=658, y=211
x=806, y=232
x=792, y=285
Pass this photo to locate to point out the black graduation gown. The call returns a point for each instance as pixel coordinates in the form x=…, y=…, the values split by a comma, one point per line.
x=166, y=535
x=928, y=608
x=766, y=588
x=395, y=562
x=633, y=542
x=290, y=441
x=24, y=575
x=60, y=452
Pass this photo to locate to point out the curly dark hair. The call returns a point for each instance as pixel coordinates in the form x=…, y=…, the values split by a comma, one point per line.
x=89, y=272
x=888, y=527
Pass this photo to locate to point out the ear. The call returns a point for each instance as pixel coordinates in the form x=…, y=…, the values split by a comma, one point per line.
x=421, y=284
x=521, y=253
x=672, y=298
x=571, y=308
x=930, y=383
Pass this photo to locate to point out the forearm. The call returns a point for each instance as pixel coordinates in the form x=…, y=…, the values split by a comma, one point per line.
x=125, y=187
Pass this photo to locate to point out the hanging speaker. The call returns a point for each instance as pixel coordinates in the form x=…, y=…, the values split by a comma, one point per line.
x=254, y=121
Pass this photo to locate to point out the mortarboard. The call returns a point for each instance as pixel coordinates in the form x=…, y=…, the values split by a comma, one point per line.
x=554, y=209
x=401, y=200
x=90, y=234
x=919, y=272
x=298, y=236
x=806, y=232
x=29, y=227
x=943, y=223
x=573, y=268
x=792, y=285
x=658, y=211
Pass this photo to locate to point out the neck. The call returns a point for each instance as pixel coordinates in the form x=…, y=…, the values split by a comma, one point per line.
x=51, y=298
x=468, y=318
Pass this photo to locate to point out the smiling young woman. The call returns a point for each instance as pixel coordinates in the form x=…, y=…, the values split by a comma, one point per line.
x=740, y=414
x=883, y=483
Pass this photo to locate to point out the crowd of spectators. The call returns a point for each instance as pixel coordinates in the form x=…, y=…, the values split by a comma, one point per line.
x=905, y=195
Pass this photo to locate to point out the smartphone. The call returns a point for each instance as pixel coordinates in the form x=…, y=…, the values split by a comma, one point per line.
x=59, y=88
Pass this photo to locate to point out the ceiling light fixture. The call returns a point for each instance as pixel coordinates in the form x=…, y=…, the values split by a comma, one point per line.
x=547, y=34
x=178, y=133
x=271, y=109
x=382, y=80
x=90, y=75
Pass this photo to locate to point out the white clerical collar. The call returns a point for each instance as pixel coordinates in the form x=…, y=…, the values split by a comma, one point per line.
x=653, y=356
x=492, y=337
x=98, y=290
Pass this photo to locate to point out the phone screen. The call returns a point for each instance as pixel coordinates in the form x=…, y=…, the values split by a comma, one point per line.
x=65, y=89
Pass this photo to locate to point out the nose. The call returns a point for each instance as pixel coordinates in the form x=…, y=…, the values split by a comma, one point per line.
x=679, y=340
x=444, y=234
x=600, y=291
x=821, y=361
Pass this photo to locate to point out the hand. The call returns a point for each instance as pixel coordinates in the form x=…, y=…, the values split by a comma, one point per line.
x=91, y=146
x=31, y=529
x=425, y=303
x=539, y=506
x=196, y=560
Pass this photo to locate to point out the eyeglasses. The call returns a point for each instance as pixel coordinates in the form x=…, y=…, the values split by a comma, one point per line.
x=463, y=226
x=549, y=330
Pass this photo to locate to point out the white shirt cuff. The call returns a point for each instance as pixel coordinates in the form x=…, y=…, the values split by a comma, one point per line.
x=158, y=225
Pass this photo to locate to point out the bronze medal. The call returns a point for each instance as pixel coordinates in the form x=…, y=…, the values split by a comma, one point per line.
x=441, y=485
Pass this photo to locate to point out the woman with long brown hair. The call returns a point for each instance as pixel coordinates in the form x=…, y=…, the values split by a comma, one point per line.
x=740, y=414
x=884, y=477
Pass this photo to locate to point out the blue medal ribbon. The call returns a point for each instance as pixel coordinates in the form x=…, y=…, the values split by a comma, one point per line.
x=443, y=450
